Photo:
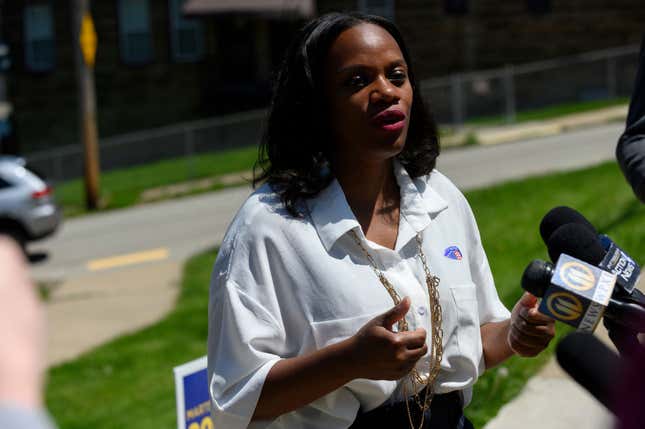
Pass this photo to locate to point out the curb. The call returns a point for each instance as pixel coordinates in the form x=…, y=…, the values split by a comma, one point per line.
x=187, y=188
x=536, y=129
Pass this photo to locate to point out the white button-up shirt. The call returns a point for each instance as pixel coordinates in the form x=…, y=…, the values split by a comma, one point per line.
x=283, y=287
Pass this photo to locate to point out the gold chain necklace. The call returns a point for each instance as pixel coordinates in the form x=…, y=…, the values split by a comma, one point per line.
x=436, y=351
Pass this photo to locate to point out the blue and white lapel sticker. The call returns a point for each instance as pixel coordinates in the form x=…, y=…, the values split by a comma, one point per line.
x=453, y=252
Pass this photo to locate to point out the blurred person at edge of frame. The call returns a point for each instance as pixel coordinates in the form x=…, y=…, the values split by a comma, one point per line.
x=631, y=156
x=22, y=352
x=630, y=150
x=631, y=413
x=352, y=289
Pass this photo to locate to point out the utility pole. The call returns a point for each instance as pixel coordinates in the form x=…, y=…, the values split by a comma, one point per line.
x=85, y=41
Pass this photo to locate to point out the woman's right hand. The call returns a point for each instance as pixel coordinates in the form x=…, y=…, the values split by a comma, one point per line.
x=378, y=353
x=375, y=352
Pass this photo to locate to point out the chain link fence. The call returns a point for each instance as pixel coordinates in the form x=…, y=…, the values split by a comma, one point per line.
x=183, y=140
x=454, y=100
x=502, y=93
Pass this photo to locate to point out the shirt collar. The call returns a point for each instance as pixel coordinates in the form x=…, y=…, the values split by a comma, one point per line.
x=419, y=202
x=332, y=217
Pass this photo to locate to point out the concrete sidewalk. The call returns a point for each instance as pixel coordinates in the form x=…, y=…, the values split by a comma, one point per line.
x=87, y=311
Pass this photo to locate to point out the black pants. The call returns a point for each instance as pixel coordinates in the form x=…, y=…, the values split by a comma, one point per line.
x=445, y=413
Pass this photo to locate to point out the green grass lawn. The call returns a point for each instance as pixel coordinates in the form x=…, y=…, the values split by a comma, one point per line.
x=123, y=188
x=128, y=383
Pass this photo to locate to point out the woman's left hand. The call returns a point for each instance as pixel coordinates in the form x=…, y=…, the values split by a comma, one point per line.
x=530, y=331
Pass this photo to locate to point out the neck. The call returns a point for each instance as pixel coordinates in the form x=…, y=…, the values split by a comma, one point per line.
x=370, y=189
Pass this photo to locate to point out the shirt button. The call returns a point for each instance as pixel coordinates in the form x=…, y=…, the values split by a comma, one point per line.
x=421, y=310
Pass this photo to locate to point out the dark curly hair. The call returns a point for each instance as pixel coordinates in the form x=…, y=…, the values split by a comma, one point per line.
x=294, y=151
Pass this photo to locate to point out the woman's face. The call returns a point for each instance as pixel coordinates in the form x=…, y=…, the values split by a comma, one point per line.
x=368, y=94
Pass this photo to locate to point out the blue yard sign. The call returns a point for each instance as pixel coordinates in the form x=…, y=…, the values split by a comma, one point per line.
x=191, y=391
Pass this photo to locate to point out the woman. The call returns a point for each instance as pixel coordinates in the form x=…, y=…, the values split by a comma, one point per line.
x=352, y=288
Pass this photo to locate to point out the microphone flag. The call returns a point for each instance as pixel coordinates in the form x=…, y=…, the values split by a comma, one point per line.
x=620, y=263
x=578, y=294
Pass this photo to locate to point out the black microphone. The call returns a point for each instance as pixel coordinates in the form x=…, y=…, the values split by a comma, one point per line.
x=579, y=294
x=611, y=258
x=562, y=215
x=607, y=255
x=593, y=365
x=577, y=240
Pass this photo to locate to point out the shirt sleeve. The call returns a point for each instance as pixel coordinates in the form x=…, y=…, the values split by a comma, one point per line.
x=243, y=344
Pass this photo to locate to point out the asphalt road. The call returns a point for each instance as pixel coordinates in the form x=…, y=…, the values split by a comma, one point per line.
x=174, y=230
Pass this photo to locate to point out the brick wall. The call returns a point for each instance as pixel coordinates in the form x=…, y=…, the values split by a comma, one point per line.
x=128, y=97
x=495, y=32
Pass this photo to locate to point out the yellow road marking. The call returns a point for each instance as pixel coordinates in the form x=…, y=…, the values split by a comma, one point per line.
x=128, y=259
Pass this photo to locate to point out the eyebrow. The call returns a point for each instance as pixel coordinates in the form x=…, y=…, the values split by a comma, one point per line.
x=395, y=63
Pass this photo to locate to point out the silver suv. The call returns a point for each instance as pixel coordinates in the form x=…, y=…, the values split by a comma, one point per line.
x=27, y=208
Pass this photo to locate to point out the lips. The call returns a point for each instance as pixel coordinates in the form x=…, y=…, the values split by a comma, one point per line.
x=389, y=120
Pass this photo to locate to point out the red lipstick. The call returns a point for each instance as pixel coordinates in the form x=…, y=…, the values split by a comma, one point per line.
x=390, y=120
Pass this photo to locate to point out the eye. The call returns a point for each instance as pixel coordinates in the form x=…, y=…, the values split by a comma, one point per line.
x=398, y=77
x=356, y=81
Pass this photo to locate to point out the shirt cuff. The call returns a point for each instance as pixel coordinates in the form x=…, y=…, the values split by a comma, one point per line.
x=238, y=411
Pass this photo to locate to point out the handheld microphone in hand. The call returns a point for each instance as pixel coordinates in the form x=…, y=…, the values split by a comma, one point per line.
x=583, y=242
x=577, y=240
x=579, y=294
x=572, y=292
x=591, y=364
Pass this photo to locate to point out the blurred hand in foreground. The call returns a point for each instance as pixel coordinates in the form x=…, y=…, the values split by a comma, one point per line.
x=22, y=331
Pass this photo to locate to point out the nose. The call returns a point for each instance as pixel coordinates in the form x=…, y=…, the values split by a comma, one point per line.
x=384, y=91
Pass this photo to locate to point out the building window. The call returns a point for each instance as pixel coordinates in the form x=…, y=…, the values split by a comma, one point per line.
x=39, y=38
x=539, y=7
x=134, y=31
x=456, y=7
x=384, y=8
x=187, y=35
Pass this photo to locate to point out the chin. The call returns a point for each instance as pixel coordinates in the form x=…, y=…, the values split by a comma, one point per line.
x=395, y=144
x=390, y=151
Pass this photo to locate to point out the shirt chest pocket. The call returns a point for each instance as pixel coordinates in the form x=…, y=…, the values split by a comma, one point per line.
x=333, y=331
x=467, y=318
